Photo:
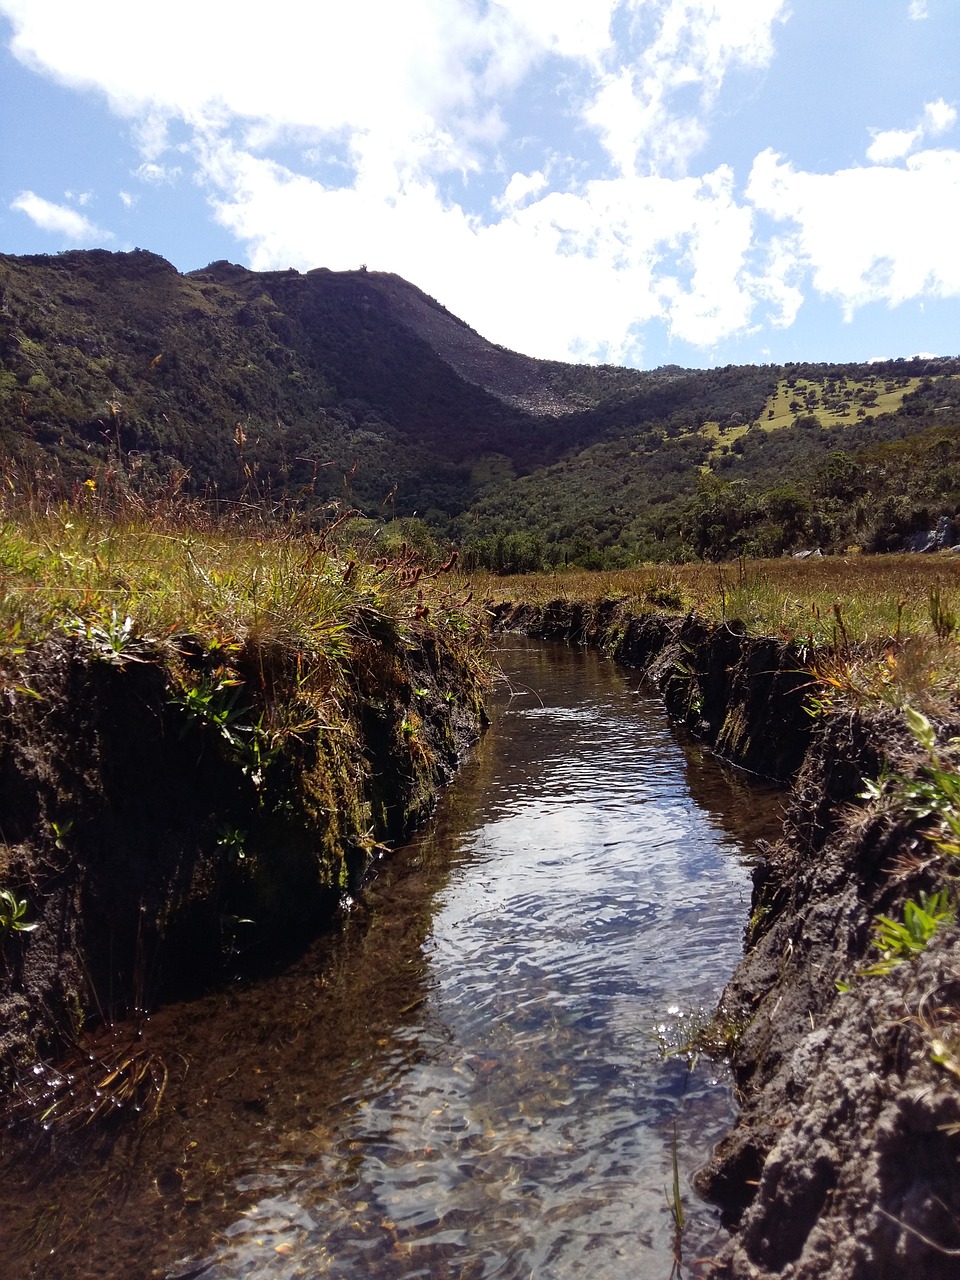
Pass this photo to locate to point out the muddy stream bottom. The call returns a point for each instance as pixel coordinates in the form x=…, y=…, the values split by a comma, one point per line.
x=469, y=1079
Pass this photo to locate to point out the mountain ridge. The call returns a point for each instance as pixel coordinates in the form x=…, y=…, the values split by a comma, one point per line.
x=359, y=387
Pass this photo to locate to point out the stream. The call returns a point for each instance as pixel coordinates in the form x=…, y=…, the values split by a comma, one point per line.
x=469, y=1079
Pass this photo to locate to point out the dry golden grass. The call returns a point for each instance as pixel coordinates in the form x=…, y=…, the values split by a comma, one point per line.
x=71, y=570
x=878, y=596
x=282, y=608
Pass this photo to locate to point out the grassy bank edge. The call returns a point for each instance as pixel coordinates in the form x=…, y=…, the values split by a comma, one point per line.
x=293, y=699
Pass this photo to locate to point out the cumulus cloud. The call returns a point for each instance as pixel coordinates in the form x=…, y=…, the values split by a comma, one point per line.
x=423, y=102
x=603, y=260
x=424, y=74
x=918, y=10
x=421, y=82
x=868, y=235
x=939, y=116
x=58, y=219
x=692, y=50
x=893, y=144
x=520, y=188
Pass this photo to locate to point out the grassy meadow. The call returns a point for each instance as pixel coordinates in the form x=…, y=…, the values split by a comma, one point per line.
x=119, y=573
x=833, y=404
x=873, y=627
x=286, y=609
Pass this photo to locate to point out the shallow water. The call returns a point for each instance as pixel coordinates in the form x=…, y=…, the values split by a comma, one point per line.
x=469, y=1081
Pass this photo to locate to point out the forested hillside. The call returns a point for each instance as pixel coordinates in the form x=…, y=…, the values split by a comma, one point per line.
x=287, y=389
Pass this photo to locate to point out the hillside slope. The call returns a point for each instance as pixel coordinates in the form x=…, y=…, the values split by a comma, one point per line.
x=277, y=387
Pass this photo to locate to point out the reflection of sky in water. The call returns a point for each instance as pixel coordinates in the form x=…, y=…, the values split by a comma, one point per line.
x=520, y=1125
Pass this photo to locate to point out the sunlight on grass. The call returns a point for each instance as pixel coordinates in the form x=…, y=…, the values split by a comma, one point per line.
x=68, y=568
x=877, y=628
x=835, y=407
x=287, y=611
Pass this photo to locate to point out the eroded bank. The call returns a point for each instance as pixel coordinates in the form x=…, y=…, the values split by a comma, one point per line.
x=160, y=839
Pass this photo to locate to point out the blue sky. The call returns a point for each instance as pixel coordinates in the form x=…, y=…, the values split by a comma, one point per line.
x=643, y=182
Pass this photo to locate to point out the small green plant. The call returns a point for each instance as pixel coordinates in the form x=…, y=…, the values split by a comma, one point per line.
x=942, y=617
x=758, y=919
x=257, y=752
x=901, y=940
x=110, y=641
x=12, y=911
x=663, y=593
x=60, y=832
x=217, y=703
x=232, y=841
x=674, y=1200
x=933, y=794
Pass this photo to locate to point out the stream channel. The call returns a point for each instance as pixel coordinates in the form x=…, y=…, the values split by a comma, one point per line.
x=467, y=1080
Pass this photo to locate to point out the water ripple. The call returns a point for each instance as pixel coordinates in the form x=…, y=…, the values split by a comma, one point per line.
x=516, y=1125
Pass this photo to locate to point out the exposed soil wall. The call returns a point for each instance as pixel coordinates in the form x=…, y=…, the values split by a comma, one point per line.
x=158, y=854
x=742, y=694
x=845, y=1163
x=846, y=1160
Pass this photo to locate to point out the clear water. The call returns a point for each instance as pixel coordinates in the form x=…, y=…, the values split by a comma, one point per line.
x=469, y=1082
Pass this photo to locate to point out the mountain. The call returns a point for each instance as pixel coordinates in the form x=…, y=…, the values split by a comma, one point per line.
x=536, y=386
x=357, y=386
x=226, y=374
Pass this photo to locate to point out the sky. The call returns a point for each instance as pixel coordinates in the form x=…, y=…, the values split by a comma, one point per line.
x=636, y=182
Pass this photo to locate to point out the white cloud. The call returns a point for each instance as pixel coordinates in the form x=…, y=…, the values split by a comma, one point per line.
x=520, y=188
x=127, y=200
x=423, y=75
x=892, y=144
x=883, y=234
x=694, y=48
x=406, y=96
x=152, y=135
x=939, y=116
x=421, y=82
x=157, y=175
x=418, y=152
x=58, y=219
x=603, y=260
x=918, y=10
